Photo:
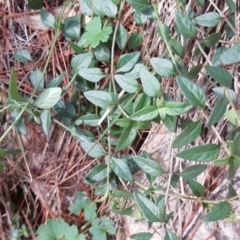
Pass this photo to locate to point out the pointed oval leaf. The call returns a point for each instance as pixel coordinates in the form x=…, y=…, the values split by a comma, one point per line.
x=47, y=18
x=121, y=169
x=176, y=108
x=128, y=84
x=93, y=150
x=235, y=149
x=164, y=67
x=203, y=153
x=122, y=36
x=92, y=74
x=145, y=114
x=193, y=171
x=139, y=5
x=97, y=174
x=218, y=212
x=193, y=72
x=170, y=235
x=151, y=85
x=102, y=53
x=48, y=98
x=230, y=56
x=89, y=120
x=233, y=165
x=212, y=39
x=220, y=75
x=99, y=98
x=218, y=111
x=55, y=81
x=209, y=19
x=135, y=40
x=36, y=78
x=196, y=187
x=177, y=47
x=189, y=134
x=81, y=61
x=148, y=166
x=233, y=117
x=46, y=120
x=185, y=26
x=13, y=89
x=149, y=209
x=126, y=139
x=23, y=56
x=192, y=91
x=127, y=61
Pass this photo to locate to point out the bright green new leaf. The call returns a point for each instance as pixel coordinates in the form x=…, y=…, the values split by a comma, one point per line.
x=128, y=84
x=23, y=56
x=81, y=61
x=210, y=19
x=218, y=111
x=192, y=91
x=151, y=85
x=121, y=169
x=148, y=166
x=230, y=56
x=13, y=89
x=98, y=173
x=185, y=26
x=127, y=61
x=145, y=114
x=99, y=98
x=193, y=171
x=170, y=235
x=203, y=153
x=220, y=75
x=135, y=40
x=235, y=148
x=176, y=108
x=196, y=187
x=149, y=209
x=36, y=78
x=48, y=98
x=95, y=33
x=164, y=67
x=233, y=165
x=92, y=74
x=46, y=120
x=139, y=5
x=122, y=36
x=142, y=236
x=189, y=134
x=218, y=212
x=212, y=39
x=47, y=18
x=126, y=139
x=233, y=117
x=92, y=149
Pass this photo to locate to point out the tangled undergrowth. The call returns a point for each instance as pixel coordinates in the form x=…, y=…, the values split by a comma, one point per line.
x=83, y=84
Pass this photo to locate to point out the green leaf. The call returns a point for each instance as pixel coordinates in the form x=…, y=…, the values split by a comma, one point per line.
x=122, y=194
x=164, y=67
x=219, y=51
x=217, y=112
x=13, y=89
x=203, y=153
x=218, y=212
x=127, y=61
x=55, y=81
x=75, y=47
x=193, y=171
x=93, y=150
x=135, y=40
x=139, y=5
x=135, y=72
x=36, y=78
x=176, y=108
x=233, y=165
x=89, y=120
x=81, y=61
x=35, y=4
x=95, y=33
x=90, y=212
x=177, y=48
x=210, y=19
x=124, y=122
x=148, y=166
x=185, y=25
x=48, y=98
x=72, y=233
x=196, y=187
x=193, y=72
x=229, y=32
x=201, y=3
x=79, y=203
x=233, y=117
x=220, y=75
x=232, y=55
x=170, y=122
x=231, y=6
x=128, y=84
x=46, y=121
x=97, y=174
x=92, y=74
x=102, y=53
x=121, y=37
x=105, y=8
x=192, y=91
x=72, y=28
x=4, y=152
x=151, y=85
x=170, y=235
x=142, y=236
x=149, y=209
x=126, y=139
x=235, y=149
x=212, y=39
x=145, y=114
x=141, y=101
x=23, y=56
x=99, y=98
x=221, y=93
x=47, y=18
x=121, y=169
x=140, y=18
x=189, y=134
